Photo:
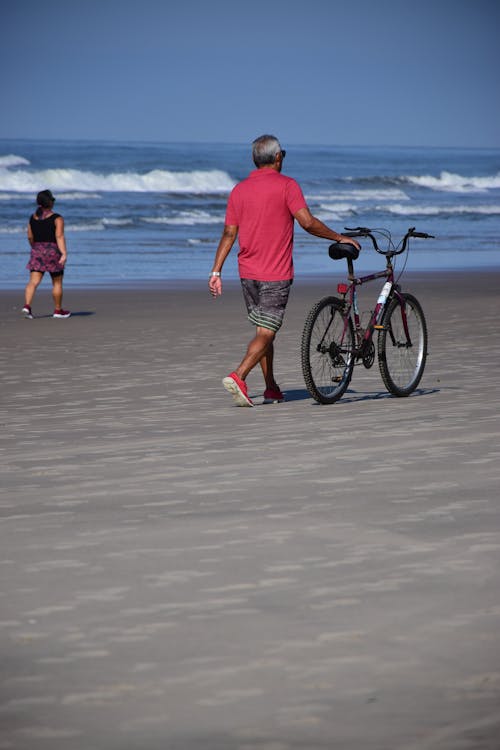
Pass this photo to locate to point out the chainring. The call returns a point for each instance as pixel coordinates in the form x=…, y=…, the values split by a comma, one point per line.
x=369, y=355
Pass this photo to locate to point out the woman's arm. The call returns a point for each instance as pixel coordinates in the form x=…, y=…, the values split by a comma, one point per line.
x=61, y=242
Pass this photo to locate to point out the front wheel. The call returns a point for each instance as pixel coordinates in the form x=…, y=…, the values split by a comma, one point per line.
x=327, y=351
x=402, y=349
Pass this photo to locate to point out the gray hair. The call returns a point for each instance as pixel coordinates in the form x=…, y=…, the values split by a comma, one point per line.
x=264, y=150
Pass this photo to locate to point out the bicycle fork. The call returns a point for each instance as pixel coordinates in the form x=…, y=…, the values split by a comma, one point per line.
x=407, y=344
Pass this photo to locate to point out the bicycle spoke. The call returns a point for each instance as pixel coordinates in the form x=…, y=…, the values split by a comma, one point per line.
x=327, y=351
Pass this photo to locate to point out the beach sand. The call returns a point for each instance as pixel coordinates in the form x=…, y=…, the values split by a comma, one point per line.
x=179, y=573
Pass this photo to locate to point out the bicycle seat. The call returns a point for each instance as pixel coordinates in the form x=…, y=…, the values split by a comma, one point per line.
x=339, y=250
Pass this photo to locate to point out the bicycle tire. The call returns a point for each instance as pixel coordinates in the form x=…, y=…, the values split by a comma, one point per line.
x=327, y=351
x=402, y=366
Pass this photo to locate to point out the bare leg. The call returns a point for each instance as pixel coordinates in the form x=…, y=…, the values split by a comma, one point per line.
x=31, y=287
x=258, y=351
x=266, y=364
x=57, y=291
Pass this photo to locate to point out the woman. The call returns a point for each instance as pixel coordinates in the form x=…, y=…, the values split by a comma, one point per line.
x=48, y=253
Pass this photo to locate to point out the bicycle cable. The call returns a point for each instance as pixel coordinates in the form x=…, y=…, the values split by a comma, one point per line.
x=387, y=235
x=407, y=251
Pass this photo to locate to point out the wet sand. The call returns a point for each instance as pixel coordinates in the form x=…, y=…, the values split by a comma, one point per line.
x=179, y=573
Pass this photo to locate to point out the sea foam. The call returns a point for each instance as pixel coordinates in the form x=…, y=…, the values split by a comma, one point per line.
x=399, y=209
x=155, y=181
x=11, y=160
x=360, y=195
x=185, y=218
x=455, y=183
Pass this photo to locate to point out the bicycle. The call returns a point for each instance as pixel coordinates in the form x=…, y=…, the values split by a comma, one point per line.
x=333, y=340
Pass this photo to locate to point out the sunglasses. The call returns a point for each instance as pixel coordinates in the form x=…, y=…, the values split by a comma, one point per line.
x=283, y=153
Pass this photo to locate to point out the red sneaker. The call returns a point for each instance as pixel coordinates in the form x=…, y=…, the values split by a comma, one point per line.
x=61, y=314
x=273, y=396
x=27, y=312
x=238, y=389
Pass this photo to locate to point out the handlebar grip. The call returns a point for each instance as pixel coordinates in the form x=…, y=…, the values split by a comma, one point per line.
x=422, y=235
x=356, y=231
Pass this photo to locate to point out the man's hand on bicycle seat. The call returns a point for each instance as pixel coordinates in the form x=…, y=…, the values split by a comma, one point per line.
x=349, y=241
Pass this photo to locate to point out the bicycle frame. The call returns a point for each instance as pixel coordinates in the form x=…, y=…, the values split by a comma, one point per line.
x=349, y=292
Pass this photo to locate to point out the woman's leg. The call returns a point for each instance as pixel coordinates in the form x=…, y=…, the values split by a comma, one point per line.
x=57, y=290
x=31, y=287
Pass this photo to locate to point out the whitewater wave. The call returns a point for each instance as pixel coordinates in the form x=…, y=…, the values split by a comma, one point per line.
x=361, y=195
x=75, y=196
x=117, y=222
x=336, y=211
x=11, y=160
x=455, y=183
x=416, y=210
x=78, y=196
x=342, y=211
x=155, y=181
x=99, y=225
x=185, y=218
x=13, y=230
x=90, y=226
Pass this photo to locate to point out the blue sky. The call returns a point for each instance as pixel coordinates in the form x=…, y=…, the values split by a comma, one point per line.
x=345, y=72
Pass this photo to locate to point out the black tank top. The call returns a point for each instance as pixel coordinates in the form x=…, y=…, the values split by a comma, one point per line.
x=44, y=230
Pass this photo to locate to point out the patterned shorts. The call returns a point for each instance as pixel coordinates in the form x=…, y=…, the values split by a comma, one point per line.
x=45, y=257
x=266, y=302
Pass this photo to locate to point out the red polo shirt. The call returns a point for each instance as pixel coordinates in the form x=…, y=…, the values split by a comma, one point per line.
x=262, y=207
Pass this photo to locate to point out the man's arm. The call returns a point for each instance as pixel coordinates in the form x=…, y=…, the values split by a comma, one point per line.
x=316, y=227
x=227, y=241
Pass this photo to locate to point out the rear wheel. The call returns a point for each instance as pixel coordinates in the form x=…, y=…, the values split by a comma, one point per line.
x=402, y=357
x=327, y=351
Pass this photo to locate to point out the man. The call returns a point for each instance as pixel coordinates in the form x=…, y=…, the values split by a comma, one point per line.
x=261, y=212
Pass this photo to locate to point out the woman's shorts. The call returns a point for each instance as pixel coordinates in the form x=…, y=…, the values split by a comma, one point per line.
x=45, y=256
x=266, y=302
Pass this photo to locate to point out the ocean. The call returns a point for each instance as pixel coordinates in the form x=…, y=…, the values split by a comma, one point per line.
x=152, y=212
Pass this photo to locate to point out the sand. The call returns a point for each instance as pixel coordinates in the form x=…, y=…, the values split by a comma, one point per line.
x=179, y=573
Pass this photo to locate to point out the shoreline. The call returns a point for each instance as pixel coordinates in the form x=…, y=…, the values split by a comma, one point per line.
x=439, y=274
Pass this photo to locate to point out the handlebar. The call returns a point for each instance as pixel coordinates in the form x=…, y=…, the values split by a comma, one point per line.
x=365, y=232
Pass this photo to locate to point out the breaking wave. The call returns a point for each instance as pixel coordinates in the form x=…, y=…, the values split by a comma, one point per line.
x=455, y=183
x=456, y=210
x=185, y=218
x=11, y=160
x=154, y=181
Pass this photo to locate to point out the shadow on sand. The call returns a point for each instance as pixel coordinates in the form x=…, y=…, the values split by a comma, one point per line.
x=352, y=396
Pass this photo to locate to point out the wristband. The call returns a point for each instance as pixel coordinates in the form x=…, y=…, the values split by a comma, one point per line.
x=215, y=273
